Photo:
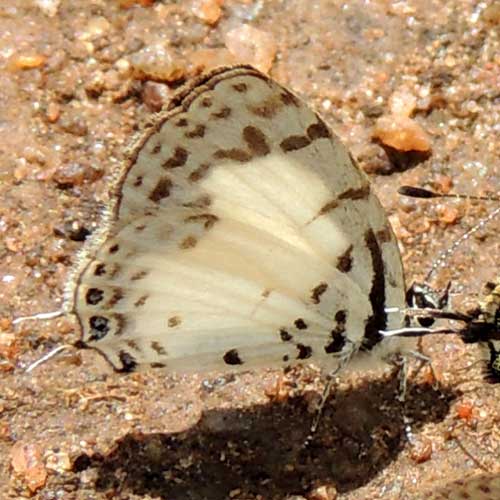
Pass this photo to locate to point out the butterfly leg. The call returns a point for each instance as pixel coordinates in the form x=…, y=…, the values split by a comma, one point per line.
x=402, y=364
x=403, y=378
x=324, y=397
x=319, y=411
x=330, y=378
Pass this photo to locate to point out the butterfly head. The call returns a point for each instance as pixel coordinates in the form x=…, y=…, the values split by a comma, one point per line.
x=423, y=296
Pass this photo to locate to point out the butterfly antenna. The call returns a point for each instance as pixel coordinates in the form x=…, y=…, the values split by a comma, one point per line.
x=46, y=357
x=443, y=257
x=49, y=315
x=417, y=192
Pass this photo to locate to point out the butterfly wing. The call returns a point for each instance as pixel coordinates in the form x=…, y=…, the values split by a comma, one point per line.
x=242, y=233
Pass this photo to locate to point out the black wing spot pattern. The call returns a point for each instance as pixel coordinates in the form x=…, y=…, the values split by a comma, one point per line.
x=99, y=327
x=338, y=339
x=174, y=321
x=300, y=324
x=158, y=348
x=256, y=141
x=294, y=142
x=317, y=292
x=128, y=362
x=378, y=320
x=100, y=269
x=344, y=261
x=197, y=132
x=232, y=357
x=139, y=275
x=178, y=159
x=141, y=300
x=285, y=336
x=305, y=351
x=94, y=296
x=161, y=190
x=222, y=114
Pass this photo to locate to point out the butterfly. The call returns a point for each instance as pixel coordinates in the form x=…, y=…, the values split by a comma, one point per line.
x=240, y=233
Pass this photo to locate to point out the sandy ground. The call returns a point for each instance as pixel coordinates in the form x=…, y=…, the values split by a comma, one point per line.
x=69, y=103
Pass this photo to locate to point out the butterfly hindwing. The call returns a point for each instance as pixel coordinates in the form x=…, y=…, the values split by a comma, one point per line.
x=242, y=234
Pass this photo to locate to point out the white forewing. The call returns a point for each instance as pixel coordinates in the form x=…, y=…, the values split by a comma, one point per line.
x=242, y=234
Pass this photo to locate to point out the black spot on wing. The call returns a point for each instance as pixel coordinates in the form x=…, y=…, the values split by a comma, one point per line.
x=378, y=319
x=128, y=362
x=317, y=292
x=157, y=365
x=100, y=269
x=294, y=142
x=338, y=339
x=94, y=296
x=99, y=327
x=178, y=159
x=158, y=348
x=344, y=261
x=285, y=336
x=141, y=300
x=235, y=154
x=305, y=351
x=222, y=113
x=161, y=190
x=197, y=132
x=356, y=193
x=318, y=130
x=300, y=324
x=256, y=141
x=232, y=357
x=174, y=321
x=240, y=87
x=116, y=296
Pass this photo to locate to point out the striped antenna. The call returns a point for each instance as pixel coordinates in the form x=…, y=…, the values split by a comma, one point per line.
x=443, y=257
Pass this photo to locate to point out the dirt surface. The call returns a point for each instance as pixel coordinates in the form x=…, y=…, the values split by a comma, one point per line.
x=75, y=84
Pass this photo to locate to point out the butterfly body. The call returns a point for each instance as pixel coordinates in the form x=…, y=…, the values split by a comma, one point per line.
x=484, y=327
x=240, y=233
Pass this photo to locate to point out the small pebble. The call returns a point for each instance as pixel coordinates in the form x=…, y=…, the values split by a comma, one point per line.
x=57, y=461
x=401, y=133
x=323, y=493
x=75, y=174
x=9, y=348
x=252, y=46
x=26, y=61
x=449, y=214
x=26, y=461
x=155, y=95
x=206, y=59
x=96, y=27
x=126, y=4
x=402, y=102
x=421, y=451
x=491, y=14
x=156, y=62
x=209, y=11
x=465, y=411
x=48, y=7
x=53, y=112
